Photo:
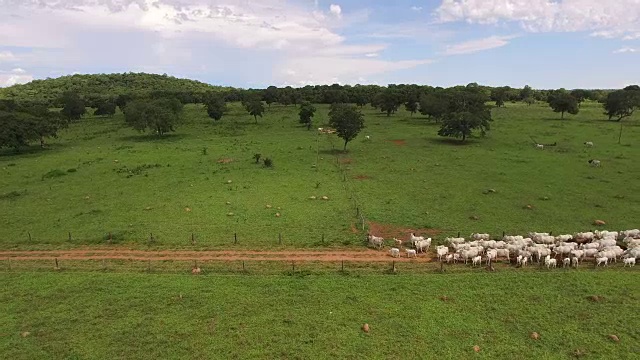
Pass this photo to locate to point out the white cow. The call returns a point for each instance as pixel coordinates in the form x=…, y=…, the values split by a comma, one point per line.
x=395, y=252
x=411, y=252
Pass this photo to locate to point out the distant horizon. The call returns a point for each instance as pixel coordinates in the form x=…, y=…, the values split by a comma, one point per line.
x=572, y=44
x=302, y=86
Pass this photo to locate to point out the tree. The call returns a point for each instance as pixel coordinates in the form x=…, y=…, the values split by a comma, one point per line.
x=411, y=106
x=159, y=115
x=270, y=95
x=561, y=101
x=434, y=105
x=105, y=107
x=580, y=95
x=462, y=123
x=307, y=110
x=529, y=100
x=526, y=93
x=216, y=106
x=388, y=101
x=500, y=95
x=622, y=103
x=72, y=106
x=347, y=120
x=255, y=108
x=22, y=124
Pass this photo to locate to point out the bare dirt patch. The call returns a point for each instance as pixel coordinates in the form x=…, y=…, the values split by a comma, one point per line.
x=224, y=161
x=399, y=142
x=345, y=161
x=389, y=231
x=362, y=177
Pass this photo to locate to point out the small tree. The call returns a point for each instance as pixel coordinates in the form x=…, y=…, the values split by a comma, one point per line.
x=159, y=115
x=621, y=103
x=105, y=107
x=216, y=106
x=347, y=120
x=561, y=101
x=462, y=123
x=72, y=106
x=411, y=106
x=307, y=110
x=434, y=106
x=255, y=108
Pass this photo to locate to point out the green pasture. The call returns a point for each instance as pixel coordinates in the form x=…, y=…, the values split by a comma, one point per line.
x=100, y=177
x=77, y=315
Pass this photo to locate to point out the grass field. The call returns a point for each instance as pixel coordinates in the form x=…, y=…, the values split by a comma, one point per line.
x=169, y=187
x=110, y=315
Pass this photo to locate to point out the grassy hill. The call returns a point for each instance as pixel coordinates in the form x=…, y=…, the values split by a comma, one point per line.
x=103, y=85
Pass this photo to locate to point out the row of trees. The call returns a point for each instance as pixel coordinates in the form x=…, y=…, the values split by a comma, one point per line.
x=617, y=104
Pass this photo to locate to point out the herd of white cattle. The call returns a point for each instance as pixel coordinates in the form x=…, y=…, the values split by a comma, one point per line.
x=568, y=250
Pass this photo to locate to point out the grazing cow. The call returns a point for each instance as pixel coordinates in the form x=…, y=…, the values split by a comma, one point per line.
x=594, y=162
x=395, y=252
x=589, y=143
x=411, y=252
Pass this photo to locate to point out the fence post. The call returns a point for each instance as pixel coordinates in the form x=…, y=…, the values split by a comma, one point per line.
x=458, y=233
x=151, y=238
x=235, y=238
x=323, y=238
x=357, y=211
x=57, y=267
x=242, y=265
x=69, y=235
x=393, y=266
x=342, y=269
x=193, y=239
x=293, y=266
x=503, y=233
x=110, y=237
x=29, y=236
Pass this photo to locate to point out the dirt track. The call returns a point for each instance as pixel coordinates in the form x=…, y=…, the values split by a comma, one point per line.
x=222, y=255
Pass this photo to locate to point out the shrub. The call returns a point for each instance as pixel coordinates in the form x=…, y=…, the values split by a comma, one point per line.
x=204, y=151
x=72, y=170
x=53, y=174
x=12, y=195
x=257, y=157
x=268, y=162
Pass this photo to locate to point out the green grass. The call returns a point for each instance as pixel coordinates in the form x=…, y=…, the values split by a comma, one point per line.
x=146, y=316
x=133, y=184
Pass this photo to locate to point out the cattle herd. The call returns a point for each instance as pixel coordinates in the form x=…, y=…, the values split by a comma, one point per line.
x=602, y=247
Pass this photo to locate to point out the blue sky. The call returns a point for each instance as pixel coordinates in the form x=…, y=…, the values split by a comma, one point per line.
x=543, y=43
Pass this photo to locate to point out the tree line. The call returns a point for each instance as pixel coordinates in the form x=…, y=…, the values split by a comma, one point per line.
x=459, y=110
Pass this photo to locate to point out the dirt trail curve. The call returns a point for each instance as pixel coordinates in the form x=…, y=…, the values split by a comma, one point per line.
x=219, y=255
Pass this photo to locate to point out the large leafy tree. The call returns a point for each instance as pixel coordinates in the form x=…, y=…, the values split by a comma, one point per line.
x=23, y=124
x=347, y=120
x=270, y=95
x=562, y=101
x=466, y=112
x=215, y=104
x=622, y=103
x=307, y=110
x=159, y=115
x=72, y=106
x=500, y=95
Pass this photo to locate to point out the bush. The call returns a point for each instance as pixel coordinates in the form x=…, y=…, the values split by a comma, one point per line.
x=72, y=170
x=268, y=162
x=12, y=195
x=204, y=151
x=53, y=174
x=257, y=157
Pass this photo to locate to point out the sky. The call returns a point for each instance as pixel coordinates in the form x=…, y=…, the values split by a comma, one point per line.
x=253, y=44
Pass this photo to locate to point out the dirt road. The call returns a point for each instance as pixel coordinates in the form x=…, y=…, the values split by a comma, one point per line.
x=220, y=255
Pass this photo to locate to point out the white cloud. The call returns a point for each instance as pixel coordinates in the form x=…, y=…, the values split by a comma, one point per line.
x=328, y=70
x=9, y=79
x=477, y=45
x=336, y=10
x=178, y=36
x=607, y=18
x=18, y=71
x=7, y=56
x=370, y=55
x=626, y=50
x=632, y=36
x=416, y=8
